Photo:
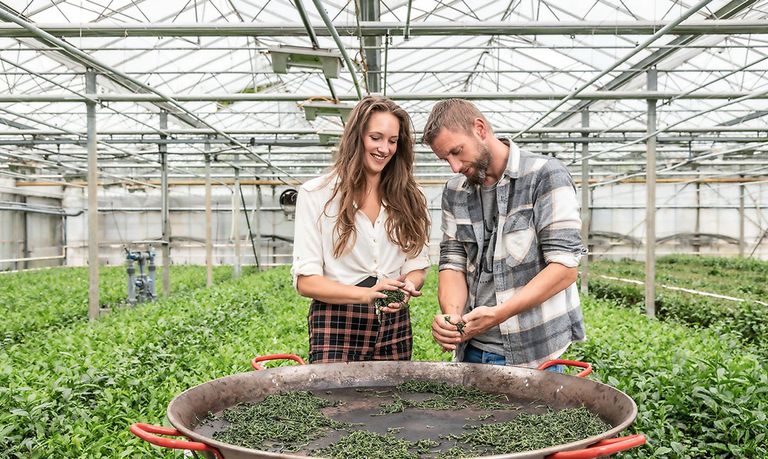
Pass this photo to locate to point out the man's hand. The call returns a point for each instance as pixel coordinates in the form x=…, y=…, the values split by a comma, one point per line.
x=478, y=320
x=445, y=332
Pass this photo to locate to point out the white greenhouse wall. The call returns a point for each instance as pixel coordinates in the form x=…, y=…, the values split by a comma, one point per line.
x=621, y=209
x=34, y=238
x=127, y=216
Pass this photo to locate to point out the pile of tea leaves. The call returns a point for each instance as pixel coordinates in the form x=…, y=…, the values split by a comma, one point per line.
x=393, y=296
x=528, y=432
x=283, y=421
x=371, y=445
x=447, y=397
x=291, y=421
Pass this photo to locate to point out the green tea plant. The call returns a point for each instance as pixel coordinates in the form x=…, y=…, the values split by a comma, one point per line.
x=698, y=394
x=748, y=321
x=737, y=277
x=37, y=301
x=73, y=391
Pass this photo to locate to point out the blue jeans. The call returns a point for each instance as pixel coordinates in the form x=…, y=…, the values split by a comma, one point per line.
x=475, y=355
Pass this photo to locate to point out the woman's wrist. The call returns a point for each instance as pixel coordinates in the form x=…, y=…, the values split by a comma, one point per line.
x=363, y=294
x=416, y=278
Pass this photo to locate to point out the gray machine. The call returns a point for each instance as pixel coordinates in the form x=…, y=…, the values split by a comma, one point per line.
x=141, y=286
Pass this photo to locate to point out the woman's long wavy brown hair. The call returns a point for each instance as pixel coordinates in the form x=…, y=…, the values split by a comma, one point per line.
x=408, y=222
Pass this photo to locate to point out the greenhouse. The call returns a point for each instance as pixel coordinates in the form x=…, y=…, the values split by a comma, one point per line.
x=171, y=264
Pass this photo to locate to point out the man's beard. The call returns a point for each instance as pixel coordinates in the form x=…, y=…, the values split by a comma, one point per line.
x=480, y=166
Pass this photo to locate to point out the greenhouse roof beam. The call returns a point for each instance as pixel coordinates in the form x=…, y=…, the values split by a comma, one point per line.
x=331, y=28
x=499, y=129
x=292, y=97
x=761, y=93
x=369, y=10
x=402, y=72
x=732, y=8
x=312, y=37
x=60, y=131
x=418, y=165
x=751, y=148
x=89, y=61
x=368, y=28
x=745, y=118
x=76, y=169
x=623, y=141
x=640, y=47
x=107, y=47
x=124, y=84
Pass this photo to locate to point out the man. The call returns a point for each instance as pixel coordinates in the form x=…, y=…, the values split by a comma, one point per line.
x=511, y=245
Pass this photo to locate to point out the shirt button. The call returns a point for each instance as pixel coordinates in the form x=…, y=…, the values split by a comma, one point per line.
x=471, y=268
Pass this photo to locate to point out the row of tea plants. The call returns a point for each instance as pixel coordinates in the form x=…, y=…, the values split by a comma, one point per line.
x=737, y=278
x=37, y=301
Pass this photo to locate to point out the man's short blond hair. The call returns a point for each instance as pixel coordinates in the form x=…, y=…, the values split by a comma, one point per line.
x=451, y=114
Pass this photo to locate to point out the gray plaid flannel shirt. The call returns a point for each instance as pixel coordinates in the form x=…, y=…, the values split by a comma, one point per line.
x=538, y=224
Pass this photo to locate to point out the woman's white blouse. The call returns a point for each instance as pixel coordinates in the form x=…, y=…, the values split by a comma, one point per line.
x=373, y=254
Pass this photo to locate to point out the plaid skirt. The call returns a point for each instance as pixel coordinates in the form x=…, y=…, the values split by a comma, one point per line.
x=350, y=332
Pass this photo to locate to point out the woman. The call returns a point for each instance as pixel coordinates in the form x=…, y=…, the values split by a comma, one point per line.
x=362, y=229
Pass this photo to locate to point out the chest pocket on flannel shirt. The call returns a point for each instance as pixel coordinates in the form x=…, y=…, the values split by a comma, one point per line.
x=519, y=236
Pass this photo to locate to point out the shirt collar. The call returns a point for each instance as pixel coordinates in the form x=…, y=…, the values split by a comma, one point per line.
x=513, y=164
x=513, y=160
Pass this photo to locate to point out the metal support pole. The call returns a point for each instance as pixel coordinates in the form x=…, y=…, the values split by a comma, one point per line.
x=697, y=221
x=387, y=40
x=585, y=211
x=208, y=218
x=164, y=214
x=332, y=30
x=274, y=225
x=369, y=11
x=742, y=244
x=257, y=221
x=407, y=31
x=650, y=203
x=236, y=219
x=312, y=37
x=25, y=252
x=93, y=201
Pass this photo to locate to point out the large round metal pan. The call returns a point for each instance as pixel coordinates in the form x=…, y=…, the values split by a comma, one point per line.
x=187, y=409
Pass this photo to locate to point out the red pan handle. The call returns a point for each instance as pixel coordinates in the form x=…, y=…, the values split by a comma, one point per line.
x=602, y=448
x=264, y=358
x=146, y=431
x=573, y=363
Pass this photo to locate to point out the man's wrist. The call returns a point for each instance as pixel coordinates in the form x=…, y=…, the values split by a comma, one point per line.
x=506, y=310
x=453, y=310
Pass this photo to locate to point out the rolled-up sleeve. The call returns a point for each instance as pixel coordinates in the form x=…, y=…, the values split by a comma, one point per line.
x=558, y=222
x=453, y=255
x=420, y=261
x=307, y=240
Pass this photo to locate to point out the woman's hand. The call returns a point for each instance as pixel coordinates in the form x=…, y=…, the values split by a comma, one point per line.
x=409, y=288
x=377, y=292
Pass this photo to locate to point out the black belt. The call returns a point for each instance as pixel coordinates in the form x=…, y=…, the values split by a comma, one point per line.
x=370, y=281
